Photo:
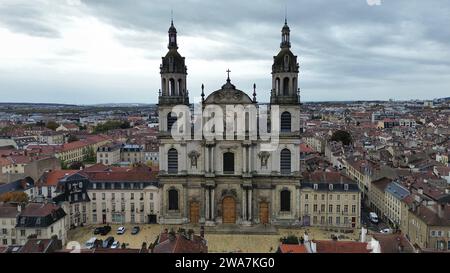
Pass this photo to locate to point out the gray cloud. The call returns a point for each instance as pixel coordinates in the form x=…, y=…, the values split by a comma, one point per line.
x=22, y=18
x=347, y=49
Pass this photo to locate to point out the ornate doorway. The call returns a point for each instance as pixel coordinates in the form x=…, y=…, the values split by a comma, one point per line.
x=194, y=212
x=229, y=210
x=264, y=213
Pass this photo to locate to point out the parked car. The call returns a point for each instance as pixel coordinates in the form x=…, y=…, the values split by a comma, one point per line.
x=108, y=242
x=121, y=230
x=116, y=244
x=98, y=230
x=135, y=230
x=91, y=243
x=105, y=230
x=373, y=217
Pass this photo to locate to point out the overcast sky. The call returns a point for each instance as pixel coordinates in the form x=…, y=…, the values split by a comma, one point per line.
x=101, y=51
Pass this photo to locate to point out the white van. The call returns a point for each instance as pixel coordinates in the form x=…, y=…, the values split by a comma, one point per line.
x=90, y=243
x=373, y=217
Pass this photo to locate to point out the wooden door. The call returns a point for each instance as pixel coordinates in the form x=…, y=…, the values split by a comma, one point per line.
x=229, y=210
x=264, y=212
x=194, y=212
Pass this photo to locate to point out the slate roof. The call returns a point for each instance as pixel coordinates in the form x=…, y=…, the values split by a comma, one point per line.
x=18, y=185
x=397, y=190
x=40, y=215
x=324, y=179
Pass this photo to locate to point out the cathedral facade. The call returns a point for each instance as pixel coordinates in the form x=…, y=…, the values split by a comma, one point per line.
x=230, y=180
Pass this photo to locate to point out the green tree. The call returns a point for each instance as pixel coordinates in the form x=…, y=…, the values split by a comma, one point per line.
x=342, y=136
x=52, y=125
x=15, y=197
x=111, y=125
x=72, y=138
x=90, y=155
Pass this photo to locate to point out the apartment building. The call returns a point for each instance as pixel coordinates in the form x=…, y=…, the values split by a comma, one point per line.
x=429, y=226
x=77, y=151
x=124, y=197
x=329, y=199
x=109, y=154
x=377, y=196
x=8, y=215
x=42, y=220
x=394, y=203
x=132, y=153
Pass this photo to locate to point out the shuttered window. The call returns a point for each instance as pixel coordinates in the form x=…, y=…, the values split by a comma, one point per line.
x=172, y=161
x=285, y=122
x=285, y=161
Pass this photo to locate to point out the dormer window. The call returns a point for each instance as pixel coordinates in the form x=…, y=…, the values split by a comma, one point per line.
x=330, y=187
x=345, y=187
x=315, y=186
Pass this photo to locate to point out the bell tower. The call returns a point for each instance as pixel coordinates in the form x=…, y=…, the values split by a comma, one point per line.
x=173, y=73
x=285, y=72
x=173, y=90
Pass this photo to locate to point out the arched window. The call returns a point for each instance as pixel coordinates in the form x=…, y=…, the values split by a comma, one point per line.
x=170, y=121
x=285, y=200
x=294, y=85
x=286, y=86
x=180, y=87
x=277, y=86
x=285, y=122
x=173, y=199
x=285, y=161
x=228, y=163
x=172, y=87
x=172, y=161
x=164, y=87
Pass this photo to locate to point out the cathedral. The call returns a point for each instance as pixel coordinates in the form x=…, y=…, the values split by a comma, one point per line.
x=230, y=181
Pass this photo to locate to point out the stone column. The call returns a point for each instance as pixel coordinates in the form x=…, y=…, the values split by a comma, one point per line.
x=250, y=207
x=244, y=159
x=212, y=204
x=244, y=205
x=250, y=155
x=207, y=203
x=212, y=159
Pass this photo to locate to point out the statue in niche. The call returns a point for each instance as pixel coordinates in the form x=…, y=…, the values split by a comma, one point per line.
x=264, y=157
x=194, y=155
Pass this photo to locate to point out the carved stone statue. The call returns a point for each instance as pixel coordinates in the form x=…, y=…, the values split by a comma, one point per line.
x=264, y=157
x=194, y=155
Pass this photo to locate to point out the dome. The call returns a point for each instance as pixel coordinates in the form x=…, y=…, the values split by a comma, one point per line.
x=228, y=94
